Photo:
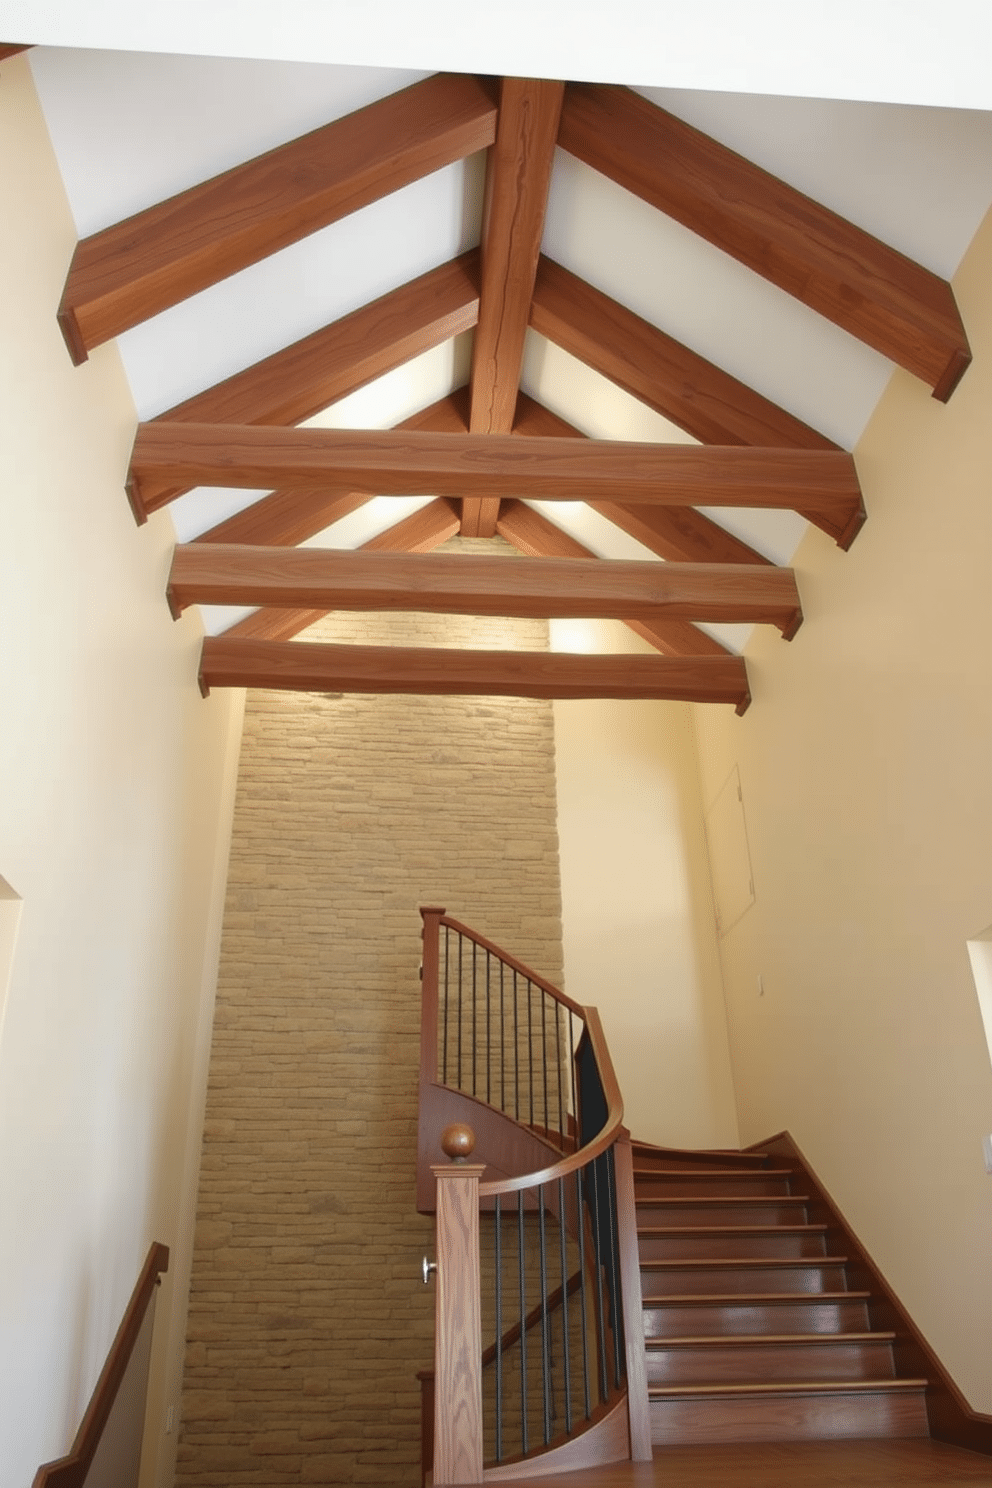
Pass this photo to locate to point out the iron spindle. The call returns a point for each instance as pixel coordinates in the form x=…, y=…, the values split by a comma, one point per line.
x=489, y=1037
x=523, y=1320
x=597, y=1241
x=616, y=1311
x=530, y=1046
x=516, y=1052
x=561, y=1083
x=502, y=1040
x=461, y=941
x=544, y=1054
x=545, y=1341
x=583, y=1317
x=566, y=1359
x=475, y=1007
x=498, y=1216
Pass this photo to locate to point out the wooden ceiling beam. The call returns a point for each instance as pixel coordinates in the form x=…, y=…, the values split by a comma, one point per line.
x=872, y=291
x=420, y=532
x=304, y=666
x=530, y=532
x=416, y=462
x=306, y=377
x=518, y=175
x=452, y=584
x=8, y=49
x=653, y=367
x=136, y=269
x=679, y=534
x=286, y=517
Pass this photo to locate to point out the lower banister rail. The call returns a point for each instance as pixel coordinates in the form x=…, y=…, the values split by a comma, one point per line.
x=545, y=1265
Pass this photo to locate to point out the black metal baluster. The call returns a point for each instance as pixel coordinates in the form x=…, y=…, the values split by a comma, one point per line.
x=598, y=1252
x=530, y=1046
x=461, y=940
x=544, y=1054
x=561, y=1084
x=523, y=1321
x=545, y=1339
x=489, y=1037
x=571, y=1076
x=516, y=1052
x=444, y=1063
x=583, y=1315
x=502, y=1038
x=566, y=1358
x=497, y=1211
x=616, y=1311
x=475, y=1007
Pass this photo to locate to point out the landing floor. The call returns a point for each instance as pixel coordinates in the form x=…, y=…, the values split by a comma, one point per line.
x=841, y=1464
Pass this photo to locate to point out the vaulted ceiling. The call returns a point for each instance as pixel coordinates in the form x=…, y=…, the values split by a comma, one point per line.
x=362, y=312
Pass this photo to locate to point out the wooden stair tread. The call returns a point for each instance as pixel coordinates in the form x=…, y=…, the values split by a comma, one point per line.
x=725, y=1263
x=744, y=1299
x=756, y=1340
x=790, y=1387
x=744, y=1200
x=764, y=1229
x=677, y=1174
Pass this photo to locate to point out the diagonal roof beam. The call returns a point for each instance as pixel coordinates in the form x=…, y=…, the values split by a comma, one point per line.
x=530, y=532
x=318, y=667
x=304, y=378
x=699, y=397
x=8, y=49
x=401, y=462
x=129, y=272
x=679, y=533
x=518, y=175
x=877, y=294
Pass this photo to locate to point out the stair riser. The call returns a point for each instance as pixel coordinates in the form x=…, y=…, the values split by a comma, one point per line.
x=678, y=1281
x=676, y=1185
x=718, y=1320
x=686, y=1164
x=789, y=1418
x=696, y=1213
x=733, y=1247
x=685, y=1365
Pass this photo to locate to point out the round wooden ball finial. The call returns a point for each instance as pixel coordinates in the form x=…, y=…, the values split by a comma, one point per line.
x=458, y=1142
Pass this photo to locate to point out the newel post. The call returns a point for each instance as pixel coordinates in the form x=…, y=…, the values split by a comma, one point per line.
x=458, y=1319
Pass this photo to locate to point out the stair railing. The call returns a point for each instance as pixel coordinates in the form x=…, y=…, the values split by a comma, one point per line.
x=548, y=1265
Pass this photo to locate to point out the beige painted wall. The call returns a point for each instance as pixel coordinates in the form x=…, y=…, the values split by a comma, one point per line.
x=866, y=766
x=637, y=907
x=114, y=783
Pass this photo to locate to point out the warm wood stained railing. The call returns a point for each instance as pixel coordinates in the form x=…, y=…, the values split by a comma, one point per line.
x=554, y=1284
x=106, y=1450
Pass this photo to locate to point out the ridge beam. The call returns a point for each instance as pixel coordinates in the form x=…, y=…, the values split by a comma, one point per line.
x=518, y=176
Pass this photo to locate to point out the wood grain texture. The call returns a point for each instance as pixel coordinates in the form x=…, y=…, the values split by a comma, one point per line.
x=289, y=517
x=878, y=1463
x=544, y=588
x=605, y=1441
x=309, y=667
x=682, y=386
x=518, y=175
x=531, y=532
x=71, y=1470
x=633, y=1308
x=418, y=533
x=140, y=267
x=951, y=1418
x=458, y=1327
x=787, y=1412
x=308, y=376
x=400, y=462
x=839, y=270
x=677, y=533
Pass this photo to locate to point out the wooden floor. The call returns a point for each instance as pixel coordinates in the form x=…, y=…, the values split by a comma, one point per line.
x=840, y=1464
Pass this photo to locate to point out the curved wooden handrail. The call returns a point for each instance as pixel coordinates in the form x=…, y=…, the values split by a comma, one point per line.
x=511, y=961
x=70, y=1471
x=612, y=1128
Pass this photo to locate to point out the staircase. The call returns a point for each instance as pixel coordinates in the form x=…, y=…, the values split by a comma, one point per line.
x=752, y=1330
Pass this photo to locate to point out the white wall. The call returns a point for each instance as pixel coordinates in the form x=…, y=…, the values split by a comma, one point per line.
x=866, y=767
x=637, y=907
x=115, y=792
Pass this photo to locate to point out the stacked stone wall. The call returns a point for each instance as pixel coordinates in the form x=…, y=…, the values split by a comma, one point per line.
x=308, y=1319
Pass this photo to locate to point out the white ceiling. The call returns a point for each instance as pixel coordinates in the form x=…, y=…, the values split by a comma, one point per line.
x=129, y=129
x=897, y=51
